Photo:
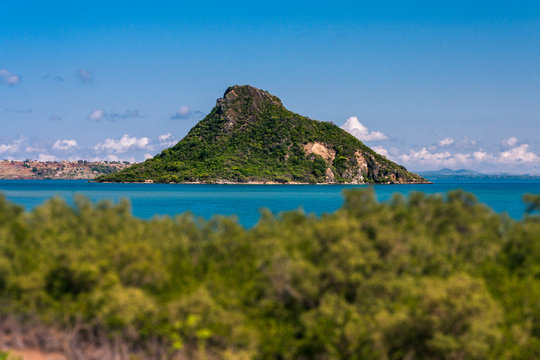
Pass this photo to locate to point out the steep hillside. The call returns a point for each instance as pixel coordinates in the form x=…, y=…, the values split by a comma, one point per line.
x=249, y=136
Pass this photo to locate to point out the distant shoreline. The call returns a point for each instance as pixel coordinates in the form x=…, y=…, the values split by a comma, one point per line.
x=57, y=170
x=256, y=183
x=214, y=183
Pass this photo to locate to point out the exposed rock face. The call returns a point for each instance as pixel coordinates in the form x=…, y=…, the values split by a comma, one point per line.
x=362, y=163
x=320, y=149
x=250, y=137
x=330, y=178
x=230, y=105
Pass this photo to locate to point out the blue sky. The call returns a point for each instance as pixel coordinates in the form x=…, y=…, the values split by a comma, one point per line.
x=430, y=84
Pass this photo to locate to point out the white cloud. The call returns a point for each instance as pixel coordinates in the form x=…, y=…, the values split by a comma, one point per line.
x=517, y=154
x=11, y=148
x=426, y=156
x=96, y=115
x=32, y=149
x=167, y=140
x=429, y=158
x=147, y=156
x=462, y=158
x=356, y=128
x=468, y=142
x=64, y=145
x=480, y=155
x=84, y=76
x=380, y=150
x=122, y=145
x=112, y=158
x=165, y=137
x=445, y=142
x=46, y=157
x=184, y=112
x=511, y=141
x=9, y=78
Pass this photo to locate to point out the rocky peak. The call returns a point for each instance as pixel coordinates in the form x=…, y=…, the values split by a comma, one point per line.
x=251, y=137
x=245, y=100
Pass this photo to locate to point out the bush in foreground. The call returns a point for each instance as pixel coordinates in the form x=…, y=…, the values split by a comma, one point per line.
x=420, y=277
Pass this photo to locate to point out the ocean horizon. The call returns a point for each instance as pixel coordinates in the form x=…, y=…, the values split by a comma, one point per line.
x=245, y=201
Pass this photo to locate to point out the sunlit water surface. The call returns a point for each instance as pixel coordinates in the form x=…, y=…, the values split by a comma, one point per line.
x=244, y=201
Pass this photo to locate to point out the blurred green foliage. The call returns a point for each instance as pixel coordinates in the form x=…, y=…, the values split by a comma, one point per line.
x=423, y=277
x=5, y=355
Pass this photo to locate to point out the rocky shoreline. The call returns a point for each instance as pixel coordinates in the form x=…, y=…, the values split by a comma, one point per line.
x=227, y=182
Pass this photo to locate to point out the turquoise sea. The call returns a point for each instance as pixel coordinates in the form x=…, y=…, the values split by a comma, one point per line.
x=244, y=201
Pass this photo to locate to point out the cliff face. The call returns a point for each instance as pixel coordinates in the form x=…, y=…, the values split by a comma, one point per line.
x=249, y=136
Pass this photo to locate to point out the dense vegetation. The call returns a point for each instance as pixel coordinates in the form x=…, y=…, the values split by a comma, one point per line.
x=426, y=277
x=251, y=136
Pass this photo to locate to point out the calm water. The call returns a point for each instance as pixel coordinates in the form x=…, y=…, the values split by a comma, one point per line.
x=244, y=201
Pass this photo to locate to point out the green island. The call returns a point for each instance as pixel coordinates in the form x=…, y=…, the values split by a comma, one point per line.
x=250, y=137
x=422, y=277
